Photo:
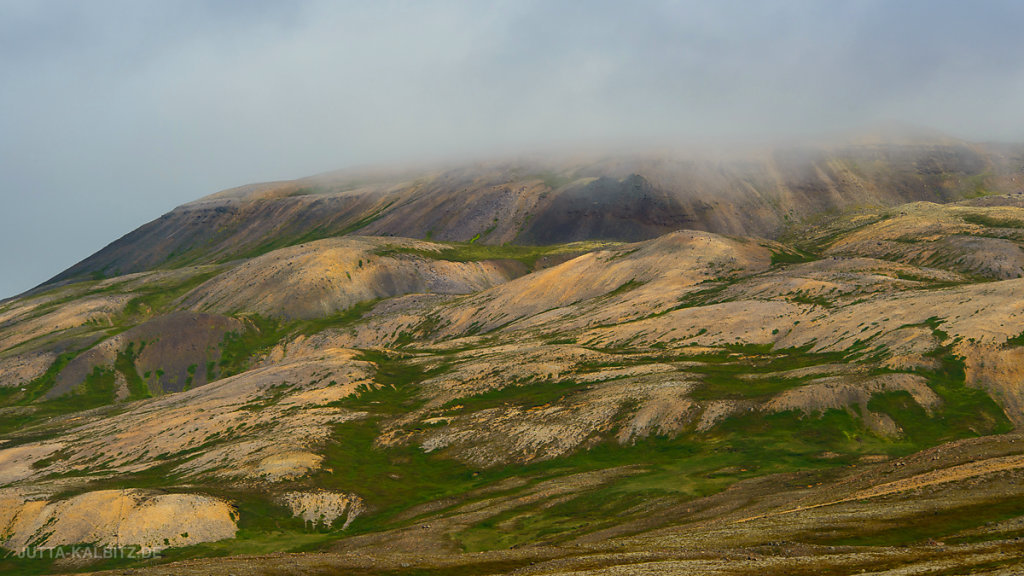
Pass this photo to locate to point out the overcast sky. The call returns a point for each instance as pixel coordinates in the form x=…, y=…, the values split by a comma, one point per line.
x=114, y=112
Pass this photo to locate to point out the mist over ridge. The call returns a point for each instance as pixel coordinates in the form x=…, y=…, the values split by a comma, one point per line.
x=115, y=112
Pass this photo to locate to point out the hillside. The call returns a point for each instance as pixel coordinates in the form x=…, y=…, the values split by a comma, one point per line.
x=798, y=361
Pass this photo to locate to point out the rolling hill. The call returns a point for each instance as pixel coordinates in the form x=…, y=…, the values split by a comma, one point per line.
x=788, y=361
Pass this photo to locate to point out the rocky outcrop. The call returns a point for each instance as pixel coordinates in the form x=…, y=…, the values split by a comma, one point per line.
x=20, y=369
x=324, y=507
x=114, y=518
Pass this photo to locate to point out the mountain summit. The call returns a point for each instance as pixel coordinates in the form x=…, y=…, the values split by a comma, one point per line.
x=547, y=201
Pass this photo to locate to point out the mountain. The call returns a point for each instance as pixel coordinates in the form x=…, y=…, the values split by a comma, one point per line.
x=543, y=201
x=794, y=360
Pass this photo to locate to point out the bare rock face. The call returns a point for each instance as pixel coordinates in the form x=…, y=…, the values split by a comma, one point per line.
x=115, y=518
x=22, y=368
x=323, y=507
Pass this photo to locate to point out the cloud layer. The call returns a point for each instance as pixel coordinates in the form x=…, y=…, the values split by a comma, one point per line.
x=112, y=112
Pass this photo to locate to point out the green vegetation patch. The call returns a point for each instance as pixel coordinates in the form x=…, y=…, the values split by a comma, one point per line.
x=992, y=221
x=965, y=412
x=925, y=525
x=473, y=252
x=154, y=298
x=722, y=374
x=318, y=233
x=396, y=384
x=801, y=297
x=1017, y=340
x=679, y=468
x=98, y=389
x=391, y=479
x=931, y=282
x=239, y=348
x=625, y=287
x=723, y=382
x=394, y=478
x=30, y=392
x=665, y=471
x=792, y=256
x=528, y=395
x=125, y=364
x=814, y=235
x=268, y=398
x=342, y=319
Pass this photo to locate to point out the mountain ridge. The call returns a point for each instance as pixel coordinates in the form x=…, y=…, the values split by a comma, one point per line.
x=510, y=202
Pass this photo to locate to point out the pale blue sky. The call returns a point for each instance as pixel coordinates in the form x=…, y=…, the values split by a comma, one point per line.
x=113, y=112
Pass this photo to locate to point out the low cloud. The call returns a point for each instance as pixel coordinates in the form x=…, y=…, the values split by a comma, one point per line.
x=114, y=112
